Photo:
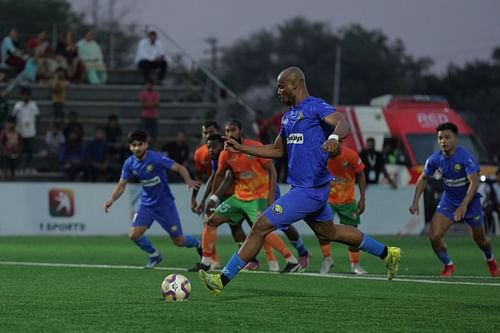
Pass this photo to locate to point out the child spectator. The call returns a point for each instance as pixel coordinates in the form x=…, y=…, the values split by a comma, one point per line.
x=150, y=100
x=26, y=112
x=73, y=125
x=59, y=85
x=71, y=156
x=54, y=139
x=96, y=156
x=11, y=144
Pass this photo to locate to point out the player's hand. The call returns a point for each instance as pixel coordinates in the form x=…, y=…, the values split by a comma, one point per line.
x=361, y=206
x=193, y=205
x=193, y=184
x=107, y=204
x=414, y=208
x=231, y=144
x=331, y=146
x=199, y=208
x=459, y=213
x=210, y=207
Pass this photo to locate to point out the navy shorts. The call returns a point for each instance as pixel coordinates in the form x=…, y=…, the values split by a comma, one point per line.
x=165, y=214
x=473, y=215
x=300, y=203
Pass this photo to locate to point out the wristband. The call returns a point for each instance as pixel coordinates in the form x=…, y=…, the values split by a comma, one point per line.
x=333, y=137
x=214, y=198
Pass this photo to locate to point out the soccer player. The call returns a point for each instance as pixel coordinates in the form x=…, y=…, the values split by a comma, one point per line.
x=460, y=200
x=347, y=167
x=254, y=191
x=306, y=130
x=157, y=202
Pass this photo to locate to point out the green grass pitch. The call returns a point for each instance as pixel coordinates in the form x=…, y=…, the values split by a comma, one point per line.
x=50, y=298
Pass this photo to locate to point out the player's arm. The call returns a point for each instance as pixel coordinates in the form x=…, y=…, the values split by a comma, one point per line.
x=181, y=170
x=361, y=180
x=115, y=194
x=221, y=181
x=340, y=130
x=273, y=178
x=469, y=195
x=419, y=189
x=198, y=175
x=273, y=150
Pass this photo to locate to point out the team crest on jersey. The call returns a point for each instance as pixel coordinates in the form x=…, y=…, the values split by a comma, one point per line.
x=173, y=228
x=149, y=168
x=277, y=209
x=457, y=167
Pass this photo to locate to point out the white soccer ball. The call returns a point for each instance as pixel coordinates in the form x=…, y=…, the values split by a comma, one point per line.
x=176, y=287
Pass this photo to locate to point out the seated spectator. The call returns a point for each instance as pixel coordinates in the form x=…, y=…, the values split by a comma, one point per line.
x=91, y=55
x=150, y=55
x=117, y=148
x=96, y=156
x=26, y=112
x=27, y=76
x=59, y=85
x=67, y=58
x=178, y=150
x=38, y=46
x=73, y=125
x=11, y=54
x=150, y=102
x=54, y=139
x=11, y=144
x=71, y=156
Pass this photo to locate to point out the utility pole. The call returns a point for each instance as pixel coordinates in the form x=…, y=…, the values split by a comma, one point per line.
x=336, y=74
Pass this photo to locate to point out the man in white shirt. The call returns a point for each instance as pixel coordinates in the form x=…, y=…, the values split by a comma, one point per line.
x=151, y=55
x=26, y=112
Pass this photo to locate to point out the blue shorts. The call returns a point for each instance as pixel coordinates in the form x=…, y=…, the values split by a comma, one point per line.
x=165, y=214
x=473, y=215
x=300, y=203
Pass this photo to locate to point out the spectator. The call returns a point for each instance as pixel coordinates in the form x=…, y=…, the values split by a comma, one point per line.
x=96, y=156
x=11, y=144
x=26, y=112
x=71, y=156
x=28, y=75
x=40, y=49
x=150, y=55
x=392, y=152
x=67, y=58
x=73, y=125
x=178, y=150
x=91, y=55
x=114, y=134
x=374, y=164
x=54, y=139
x=11, y=54
x=59, y=85
x=150, y=101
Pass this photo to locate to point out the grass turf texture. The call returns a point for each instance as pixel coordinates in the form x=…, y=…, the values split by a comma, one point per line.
x=72, y=299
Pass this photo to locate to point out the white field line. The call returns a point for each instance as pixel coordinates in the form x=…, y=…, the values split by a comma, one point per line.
x=373, y=277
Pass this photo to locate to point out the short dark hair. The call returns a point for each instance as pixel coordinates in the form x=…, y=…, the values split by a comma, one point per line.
x=112, y=117
x=447, y=126
x=211, y=123
x=25, y=90
x=370, y=140
x=215, y=137
x=235, y=122
x=10, y=119
x=100, y=128
x=137, y=135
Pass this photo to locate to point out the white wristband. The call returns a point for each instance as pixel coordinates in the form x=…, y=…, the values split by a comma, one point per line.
x=333, y=137
x=214, y=198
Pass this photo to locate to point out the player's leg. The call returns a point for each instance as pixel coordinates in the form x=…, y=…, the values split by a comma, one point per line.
x=439, y=226
x=140, y=223
x=304, y=255
x=475, y=219
x=348, y=215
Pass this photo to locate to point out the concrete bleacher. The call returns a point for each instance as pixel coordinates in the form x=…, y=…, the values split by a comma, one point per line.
x=184, y=105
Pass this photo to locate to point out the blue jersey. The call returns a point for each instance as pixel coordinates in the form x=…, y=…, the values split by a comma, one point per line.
x=454, y=171
x=304, y=132
x=152, y=174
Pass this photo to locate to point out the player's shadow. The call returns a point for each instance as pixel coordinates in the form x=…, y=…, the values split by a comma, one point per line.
x=259, y=293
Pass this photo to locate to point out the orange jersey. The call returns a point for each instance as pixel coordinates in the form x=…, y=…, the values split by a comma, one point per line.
x=251, y=178
x=344, y=167
x=202, y=162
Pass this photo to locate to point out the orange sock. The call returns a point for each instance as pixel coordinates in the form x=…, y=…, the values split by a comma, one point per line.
x=354, y=256
x=269, y=252
x=208, y=239
x=326, y=249
x=277, y=243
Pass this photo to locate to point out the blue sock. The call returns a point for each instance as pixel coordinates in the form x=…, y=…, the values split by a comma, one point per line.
x=191, y=241
x=371, y=246
x=233, y=266
x=443, y=256
x=301, y=249
x=488, y=254
x=145, y=244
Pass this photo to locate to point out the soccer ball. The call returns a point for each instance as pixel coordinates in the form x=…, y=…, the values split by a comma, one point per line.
x=176, y=287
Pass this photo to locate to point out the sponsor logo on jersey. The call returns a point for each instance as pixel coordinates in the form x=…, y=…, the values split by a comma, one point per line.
x=295, y=139
x=151, y=182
